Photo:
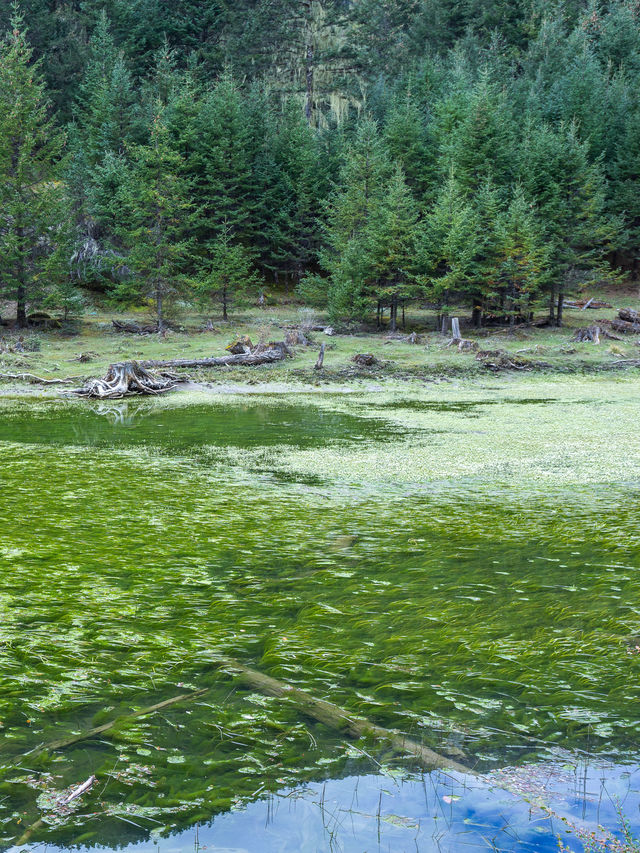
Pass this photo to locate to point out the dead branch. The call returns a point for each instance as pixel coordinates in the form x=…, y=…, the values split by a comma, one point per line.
x=36, y=380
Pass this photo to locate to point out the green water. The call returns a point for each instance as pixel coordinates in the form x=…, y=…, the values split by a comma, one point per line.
x=136, y=545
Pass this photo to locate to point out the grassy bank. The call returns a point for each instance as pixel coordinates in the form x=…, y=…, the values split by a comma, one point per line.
x=91, y=344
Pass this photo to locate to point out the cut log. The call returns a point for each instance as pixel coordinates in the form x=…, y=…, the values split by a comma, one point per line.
x=629, y=315
x=625, y=326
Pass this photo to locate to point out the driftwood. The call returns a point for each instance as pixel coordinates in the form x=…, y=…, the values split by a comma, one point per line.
x=324, y=712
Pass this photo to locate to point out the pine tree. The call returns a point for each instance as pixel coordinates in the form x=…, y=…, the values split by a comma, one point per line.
x=33, y=207
x=105, y=108
x=487, y=208
x=153, y=226
x=624, y=195
x=522, y=262
x=569, y=193
x=410, y=145
x=391, y=239
x=228, y=273
x=479, y=142
x=450, y=245
x=352, y=209
x=220, y=163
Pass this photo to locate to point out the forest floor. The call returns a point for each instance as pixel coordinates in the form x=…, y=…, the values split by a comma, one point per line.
x=89, y=345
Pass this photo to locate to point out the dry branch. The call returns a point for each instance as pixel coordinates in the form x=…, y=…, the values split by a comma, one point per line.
x=36, y=380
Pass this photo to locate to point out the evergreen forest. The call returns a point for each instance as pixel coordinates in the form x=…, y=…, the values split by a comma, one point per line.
x=360, y=153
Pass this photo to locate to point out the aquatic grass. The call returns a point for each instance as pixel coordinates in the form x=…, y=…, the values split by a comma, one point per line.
x=484, y=614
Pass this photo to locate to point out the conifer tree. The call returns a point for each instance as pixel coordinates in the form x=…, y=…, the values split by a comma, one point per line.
x=33, y=207
x=409, y=144
x=569, y=193
x=105, y=110
x=355, y=204
x=391, y=242
x=522, y=262
x=228, y=274
x=220, y=163
x=153, y=224
x=450, y=245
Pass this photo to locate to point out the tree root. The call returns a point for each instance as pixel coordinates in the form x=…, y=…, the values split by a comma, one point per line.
x=126, y=378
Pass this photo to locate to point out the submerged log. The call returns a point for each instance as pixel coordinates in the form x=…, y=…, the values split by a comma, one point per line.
x=337, y=718
x=100, y=730
x=324, y=712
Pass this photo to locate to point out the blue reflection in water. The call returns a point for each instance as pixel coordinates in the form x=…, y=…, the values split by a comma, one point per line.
x=431, y=812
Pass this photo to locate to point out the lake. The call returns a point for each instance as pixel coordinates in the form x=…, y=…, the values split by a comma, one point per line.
x=457, y=562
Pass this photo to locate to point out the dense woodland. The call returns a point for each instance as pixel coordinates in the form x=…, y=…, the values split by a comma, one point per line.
x=477, y=153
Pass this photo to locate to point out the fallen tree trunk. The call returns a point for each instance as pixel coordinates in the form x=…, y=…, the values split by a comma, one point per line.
x=337, y=718
x=274, y=353
x=319, y=709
